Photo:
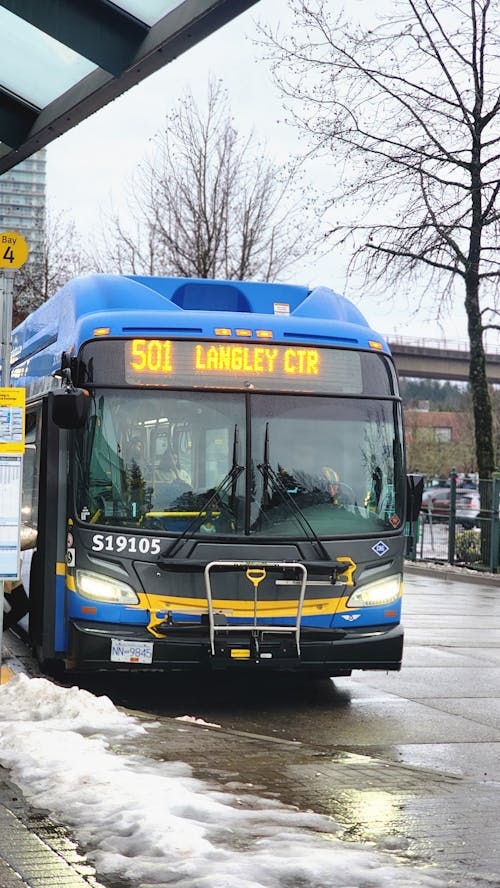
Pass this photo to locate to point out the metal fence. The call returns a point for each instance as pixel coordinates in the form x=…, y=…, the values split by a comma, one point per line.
x=447, y=534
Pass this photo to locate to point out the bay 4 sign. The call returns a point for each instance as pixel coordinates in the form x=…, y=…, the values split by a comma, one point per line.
x=13, y=250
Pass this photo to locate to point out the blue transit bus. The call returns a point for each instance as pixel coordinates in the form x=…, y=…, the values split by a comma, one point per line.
x=214, y=479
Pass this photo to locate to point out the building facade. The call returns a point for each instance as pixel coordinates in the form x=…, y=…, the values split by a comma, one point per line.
x=437, y=441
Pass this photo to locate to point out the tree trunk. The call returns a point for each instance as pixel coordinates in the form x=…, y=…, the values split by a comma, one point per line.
x=481, y=401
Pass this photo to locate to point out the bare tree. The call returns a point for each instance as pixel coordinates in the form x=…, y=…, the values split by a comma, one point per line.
x=410, y=110
x=208, y=203
x=54, y=260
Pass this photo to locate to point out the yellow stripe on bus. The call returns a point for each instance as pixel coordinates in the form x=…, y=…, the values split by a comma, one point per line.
x=237, y=608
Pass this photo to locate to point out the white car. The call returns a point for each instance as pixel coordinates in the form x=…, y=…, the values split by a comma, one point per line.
x=436, y=505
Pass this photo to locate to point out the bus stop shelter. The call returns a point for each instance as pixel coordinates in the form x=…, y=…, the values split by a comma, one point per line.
x=62, y=60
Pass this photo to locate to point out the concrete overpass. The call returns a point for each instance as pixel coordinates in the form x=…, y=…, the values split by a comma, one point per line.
x=435, y=359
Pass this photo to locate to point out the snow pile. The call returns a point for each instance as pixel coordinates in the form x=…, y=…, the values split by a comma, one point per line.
x=196, y=721
x=154, y=822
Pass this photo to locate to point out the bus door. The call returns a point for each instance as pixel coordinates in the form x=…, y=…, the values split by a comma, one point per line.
x=47, y=569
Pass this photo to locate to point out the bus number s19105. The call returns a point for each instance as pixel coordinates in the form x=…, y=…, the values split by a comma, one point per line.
x=130, y=545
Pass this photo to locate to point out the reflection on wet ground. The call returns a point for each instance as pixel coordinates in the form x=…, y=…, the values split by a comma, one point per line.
x=278, y=738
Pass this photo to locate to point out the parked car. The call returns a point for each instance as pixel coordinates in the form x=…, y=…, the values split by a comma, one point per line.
x=436, y=505
x=431, y=492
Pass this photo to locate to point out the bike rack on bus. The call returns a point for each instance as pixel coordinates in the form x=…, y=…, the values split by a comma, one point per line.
x=255, y=571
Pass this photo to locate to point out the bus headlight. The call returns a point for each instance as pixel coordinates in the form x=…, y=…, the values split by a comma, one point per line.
x=379, y=593
x=100, y=588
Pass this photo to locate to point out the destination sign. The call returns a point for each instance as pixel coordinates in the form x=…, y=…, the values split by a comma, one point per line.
x=241, y=365
x=157, y=356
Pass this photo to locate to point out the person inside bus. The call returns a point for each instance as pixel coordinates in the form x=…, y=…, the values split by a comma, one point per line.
x=313, y=483
x=321, y=484
x=170, y=481
x=169, y=470
x=333, y=482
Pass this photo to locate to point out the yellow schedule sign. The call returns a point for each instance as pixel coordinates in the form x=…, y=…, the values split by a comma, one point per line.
x=12, y=409
x=13, y=249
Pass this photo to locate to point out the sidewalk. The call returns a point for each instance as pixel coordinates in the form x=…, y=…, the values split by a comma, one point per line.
x=27, y=860
x=445, y=571
x=34, y=852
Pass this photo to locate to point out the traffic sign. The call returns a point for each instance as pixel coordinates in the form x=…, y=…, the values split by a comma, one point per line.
x=13, y=249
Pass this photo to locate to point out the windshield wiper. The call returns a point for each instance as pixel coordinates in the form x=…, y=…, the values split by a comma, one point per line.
x=234, y=465
x=268, y=474
x=230, y=479
x=264, y=469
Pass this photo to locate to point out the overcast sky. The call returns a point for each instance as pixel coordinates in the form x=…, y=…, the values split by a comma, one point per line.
x=90, y=165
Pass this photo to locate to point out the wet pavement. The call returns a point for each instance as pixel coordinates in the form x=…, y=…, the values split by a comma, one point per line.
x=36, y=852
x=407, y=762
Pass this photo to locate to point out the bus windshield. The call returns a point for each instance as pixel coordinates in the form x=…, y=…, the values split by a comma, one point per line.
x=240, y=464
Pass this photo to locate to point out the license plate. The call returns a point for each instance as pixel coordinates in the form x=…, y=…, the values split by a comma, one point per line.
x=131, y=651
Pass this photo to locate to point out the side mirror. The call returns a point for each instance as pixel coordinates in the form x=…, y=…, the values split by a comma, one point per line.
x=414, y=493
x=70, y=409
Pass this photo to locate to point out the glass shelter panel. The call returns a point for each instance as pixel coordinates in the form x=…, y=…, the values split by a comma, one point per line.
x=35, y=66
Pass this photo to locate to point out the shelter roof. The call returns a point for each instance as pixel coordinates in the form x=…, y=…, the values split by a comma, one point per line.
x=62, y=60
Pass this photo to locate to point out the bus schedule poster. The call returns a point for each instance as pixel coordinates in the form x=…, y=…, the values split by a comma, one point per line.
x=12, y=407
x=10, y=512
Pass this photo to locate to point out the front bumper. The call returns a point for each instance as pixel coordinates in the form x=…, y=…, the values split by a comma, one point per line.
x=325, y=652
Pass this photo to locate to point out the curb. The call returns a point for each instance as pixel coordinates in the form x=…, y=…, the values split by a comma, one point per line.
x=449, y=574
